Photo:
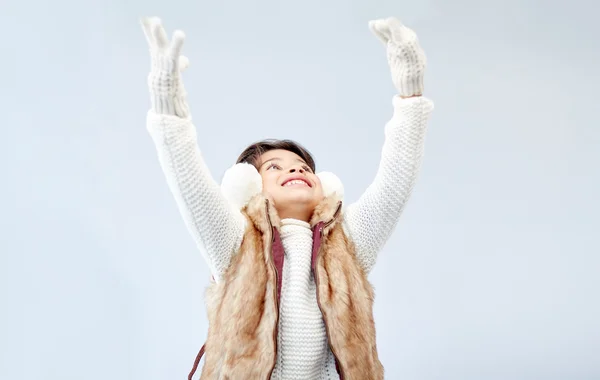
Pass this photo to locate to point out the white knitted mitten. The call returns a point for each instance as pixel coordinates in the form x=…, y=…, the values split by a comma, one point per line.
x=405, y=56
x=167, y=92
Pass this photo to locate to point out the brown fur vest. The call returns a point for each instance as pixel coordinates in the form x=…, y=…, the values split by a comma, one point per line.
x=243, y=307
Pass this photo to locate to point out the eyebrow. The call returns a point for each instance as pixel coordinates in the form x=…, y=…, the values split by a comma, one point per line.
x=269, y=160
x=279, y=159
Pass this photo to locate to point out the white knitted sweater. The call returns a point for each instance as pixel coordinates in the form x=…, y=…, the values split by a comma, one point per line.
x=217, y=228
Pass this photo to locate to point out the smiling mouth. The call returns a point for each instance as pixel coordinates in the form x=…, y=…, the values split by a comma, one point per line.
x=296, y=182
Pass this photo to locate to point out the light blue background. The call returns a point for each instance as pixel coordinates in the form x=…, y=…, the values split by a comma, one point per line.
x=492, y=272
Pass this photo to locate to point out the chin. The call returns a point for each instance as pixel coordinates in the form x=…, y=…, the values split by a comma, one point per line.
x=299, y=198
x=305, y=197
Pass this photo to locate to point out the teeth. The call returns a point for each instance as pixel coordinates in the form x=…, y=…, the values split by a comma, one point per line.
x=296, y=182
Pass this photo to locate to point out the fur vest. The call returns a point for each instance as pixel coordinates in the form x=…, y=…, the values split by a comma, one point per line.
x=243, y=306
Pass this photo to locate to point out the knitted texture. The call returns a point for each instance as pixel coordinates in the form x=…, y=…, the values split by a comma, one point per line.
x=406, y=59
x=302, y=346
x=371, y=219
x=217, y=226
x=167, y=92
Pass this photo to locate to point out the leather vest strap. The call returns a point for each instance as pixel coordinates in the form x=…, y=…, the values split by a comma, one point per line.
x=278, y=258
x=196, y=362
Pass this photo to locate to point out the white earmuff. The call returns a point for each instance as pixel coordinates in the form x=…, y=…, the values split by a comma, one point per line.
x=242, y=181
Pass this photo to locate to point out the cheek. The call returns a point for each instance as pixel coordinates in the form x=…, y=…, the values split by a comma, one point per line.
x=269, y=181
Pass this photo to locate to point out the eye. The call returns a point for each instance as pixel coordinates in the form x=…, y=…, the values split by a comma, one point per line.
x=306, y=168
x=271, y=166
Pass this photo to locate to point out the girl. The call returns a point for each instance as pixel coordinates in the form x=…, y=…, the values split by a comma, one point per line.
x=290, y=297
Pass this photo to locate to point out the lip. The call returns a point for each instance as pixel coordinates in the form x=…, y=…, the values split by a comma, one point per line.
x=301, y=178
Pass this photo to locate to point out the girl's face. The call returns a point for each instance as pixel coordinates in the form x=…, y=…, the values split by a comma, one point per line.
x=290, y=183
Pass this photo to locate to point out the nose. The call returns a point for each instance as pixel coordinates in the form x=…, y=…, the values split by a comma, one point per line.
x=297, y=169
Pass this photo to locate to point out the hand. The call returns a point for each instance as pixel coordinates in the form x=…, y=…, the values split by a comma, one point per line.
x=406, y=58
x=167, y=92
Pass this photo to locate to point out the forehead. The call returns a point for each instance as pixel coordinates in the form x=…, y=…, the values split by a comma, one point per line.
x=281, y=154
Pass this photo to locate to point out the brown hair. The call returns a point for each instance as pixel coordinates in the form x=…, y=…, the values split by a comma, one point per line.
x=252, y=153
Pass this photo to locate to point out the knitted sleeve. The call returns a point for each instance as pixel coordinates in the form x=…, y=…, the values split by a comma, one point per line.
x=216, y=227
x=371, y=219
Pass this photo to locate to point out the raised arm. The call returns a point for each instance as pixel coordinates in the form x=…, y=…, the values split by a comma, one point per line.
x=372, y=218
x=215, y=225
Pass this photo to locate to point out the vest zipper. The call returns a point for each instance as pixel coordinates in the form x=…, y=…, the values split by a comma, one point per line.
x=323, y=226
x=272, y=262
